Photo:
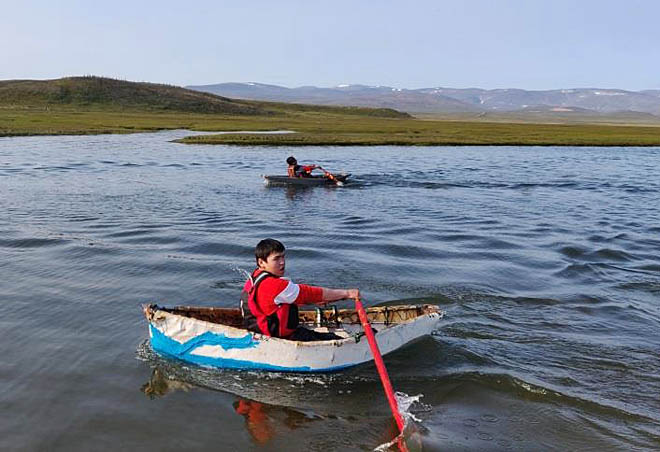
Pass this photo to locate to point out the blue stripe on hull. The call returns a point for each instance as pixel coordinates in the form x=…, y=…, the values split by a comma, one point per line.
x=167, y=346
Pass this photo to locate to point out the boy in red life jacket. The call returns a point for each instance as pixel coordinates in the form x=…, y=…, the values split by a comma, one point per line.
x=295, y=170
x=269, y=303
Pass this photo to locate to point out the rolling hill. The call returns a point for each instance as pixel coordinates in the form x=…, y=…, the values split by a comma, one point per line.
x=94, y=93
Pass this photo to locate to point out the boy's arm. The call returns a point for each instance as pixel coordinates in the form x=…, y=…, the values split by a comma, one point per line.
x=339, y=294
x=285, y=292
x=322, y=295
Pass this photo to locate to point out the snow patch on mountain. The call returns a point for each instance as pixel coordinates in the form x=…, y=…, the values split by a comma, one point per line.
x=607, y=93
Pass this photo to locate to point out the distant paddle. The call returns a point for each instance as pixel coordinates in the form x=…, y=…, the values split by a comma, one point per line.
x=382, y=371
x=331, y=176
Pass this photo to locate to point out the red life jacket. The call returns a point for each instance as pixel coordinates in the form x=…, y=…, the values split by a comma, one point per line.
x=303, y=171
x=281, y=323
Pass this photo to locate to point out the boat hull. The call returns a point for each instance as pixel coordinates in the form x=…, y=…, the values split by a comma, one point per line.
x=222, y=346
x=305, y=181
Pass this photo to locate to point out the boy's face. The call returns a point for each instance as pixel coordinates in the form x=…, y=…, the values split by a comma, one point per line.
x=275, y=264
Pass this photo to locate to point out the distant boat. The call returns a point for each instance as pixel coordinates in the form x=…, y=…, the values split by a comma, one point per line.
x=337, y=179
x=215, y=337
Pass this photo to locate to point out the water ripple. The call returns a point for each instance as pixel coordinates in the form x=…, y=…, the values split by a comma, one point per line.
x=545, y=259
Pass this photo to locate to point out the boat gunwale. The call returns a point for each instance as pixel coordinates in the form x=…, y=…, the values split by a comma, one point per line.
x=150, y=311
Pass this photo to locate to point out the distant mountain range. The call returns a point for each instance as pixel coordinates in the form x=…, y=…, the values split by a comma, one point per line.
x=450, y=100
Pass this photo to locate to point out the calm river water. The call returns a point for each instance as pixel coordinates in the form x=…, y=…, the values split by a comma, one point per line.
x=546, y=261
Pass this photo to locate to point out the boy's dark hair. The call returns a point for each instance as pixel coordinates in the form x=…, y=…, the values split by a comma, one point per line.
x=267, y=247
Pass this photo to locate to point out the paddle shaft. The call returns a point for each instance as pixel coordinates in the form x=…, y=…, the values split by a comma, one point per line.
x=380, y=365
x=329, y=174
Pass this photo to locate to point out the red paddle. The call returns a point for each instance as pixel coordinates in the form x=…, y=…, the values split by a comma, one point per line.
x=330, y=176
x=382, y=371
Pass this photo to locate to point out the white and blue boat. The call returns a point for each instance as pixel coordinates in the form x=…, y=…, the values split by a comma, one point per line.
x=215, y=337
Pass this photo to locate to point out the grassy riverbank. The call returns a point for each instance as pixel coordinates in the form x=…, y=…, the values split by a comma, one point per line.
x=54, y=121
x=367, y=132
x=321, y=128
x=93, y=105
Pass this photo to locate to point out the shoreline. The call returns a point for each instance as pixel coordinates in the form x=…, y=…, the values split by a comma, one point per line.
x=325, y=129
x=245, y=140
x=211, y=139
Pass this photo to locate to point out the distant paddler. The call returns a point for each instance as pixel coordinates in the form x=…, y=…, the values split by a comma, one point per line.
x=295, y=170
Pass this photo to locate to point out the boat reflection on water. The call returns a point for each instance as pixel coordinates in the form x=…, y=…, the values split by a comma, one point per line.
x=159, y=385
x=294, y=192
x=262, y=420
x=301, y=192
x=274, y=405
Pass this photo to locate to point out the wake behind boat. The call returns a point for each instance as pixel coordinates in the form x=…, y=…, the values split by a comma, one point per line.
x=216, y=337
x=337, y=179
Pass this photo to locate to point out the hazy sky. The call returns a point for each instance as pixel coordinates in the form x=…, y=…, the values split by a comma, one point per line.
x=530, y=44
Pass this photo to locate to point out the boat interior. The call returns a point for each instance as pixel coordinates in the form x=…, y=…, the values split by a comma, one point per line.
x=327, y=318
